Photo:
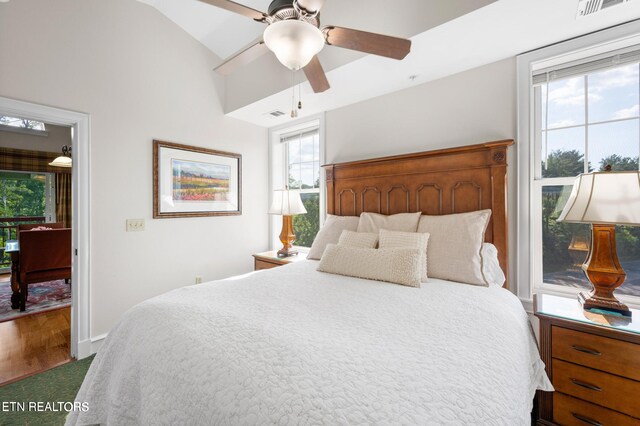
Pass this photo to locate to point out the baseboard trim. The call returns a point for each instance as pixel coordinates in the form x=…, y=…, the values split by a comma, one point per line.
x=96, y=342
x=84, y=349
x=90, y=346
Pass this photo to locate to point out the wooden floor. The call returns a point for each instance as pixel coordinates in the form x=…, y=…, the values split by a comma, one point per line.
x=34, y=343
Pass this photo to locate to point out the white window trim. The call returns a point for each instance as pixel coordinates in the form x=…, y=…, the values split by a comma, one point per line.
x=609, y=39
x=275, y=133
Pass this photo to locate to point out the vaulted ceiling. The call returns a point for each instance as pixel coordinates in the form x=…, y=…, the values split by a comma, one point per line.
x=449, y=36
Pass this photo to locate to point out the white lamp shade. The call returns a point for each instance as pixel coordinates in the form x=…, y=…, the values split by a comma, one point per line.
x=604, y=197
x=294, y=42
x=287, y=203
x=62, y=161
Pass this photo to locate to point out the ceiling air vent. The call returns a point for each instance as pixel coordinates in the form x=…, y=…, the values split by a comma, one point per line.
x=275, y=114
x=589, y=7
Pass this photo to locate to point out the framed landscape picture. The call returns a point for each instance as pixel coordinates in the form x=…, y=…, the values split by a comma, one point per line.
x=189, y=181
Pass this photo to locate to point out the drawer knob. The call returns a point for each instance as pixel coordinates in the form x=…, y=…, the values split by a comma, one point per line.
x=586, y=350
x=587, y=420
x=586, y=385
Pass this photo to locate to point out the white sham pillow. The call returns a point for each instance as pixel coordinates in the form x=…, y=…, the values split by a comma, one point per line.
x=455, y=245
x=358, y=239
x=397, y=239
x=330, y=233
x=374, y=222
x=396, y=265
x=493, y=273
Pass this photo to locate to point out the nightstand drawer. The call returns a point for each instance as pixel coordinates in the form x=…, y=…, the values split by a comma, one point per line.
x=261, y=264
x=595, y=386
x=614, y=356
x=568, y=411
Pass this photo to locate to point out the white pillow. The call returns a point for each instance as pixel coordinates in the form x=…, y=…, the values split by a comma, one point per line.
x=330, y=233
x=397, y=265
x=493, y=273
x=396, y=239
x=455, y=244
x=374, y=222
x=358, y=239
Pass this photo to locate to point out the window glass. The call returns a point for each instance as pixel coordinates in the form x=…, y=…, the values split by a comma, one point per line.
x=618, y=138
x=307, y=175
x=22, y=200
x=564, y=155
x=21, y=123
x=307, y=149
x=294, y=176
x=293, y=147
x=566, y=103
x=570, y=146
x=565, y=246
x=614, y=94
x=306, y=226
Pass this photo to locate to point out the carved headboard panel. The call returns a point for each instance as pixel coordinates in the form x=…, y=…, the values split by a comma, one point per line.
x=446, y=181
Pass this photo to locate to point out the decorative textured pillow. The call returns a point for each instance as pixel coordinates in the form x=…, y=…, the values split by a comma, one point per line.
x=455, y=244
x=41, y=228
x=374, y=222
x=398, y=265
x=330, y=233
x=358, y=239
x=397, y=239
x=493, y=273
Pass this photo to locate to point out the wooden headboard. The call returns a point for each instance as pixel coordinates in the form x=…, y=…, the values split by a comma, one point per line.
x=454, y=180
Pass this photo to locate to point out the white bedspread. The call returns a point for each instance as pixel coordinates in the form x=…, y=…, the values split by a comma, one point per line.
x=295, y=346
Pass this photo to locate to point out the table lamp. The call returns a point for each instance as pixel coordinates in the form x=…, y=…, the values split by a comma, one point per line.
x=287, y=203
x=604, y=199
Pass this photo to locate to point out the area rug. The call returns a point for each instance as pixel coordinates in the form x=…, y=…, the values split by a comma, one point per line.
x=42, y=297
x=44, y=398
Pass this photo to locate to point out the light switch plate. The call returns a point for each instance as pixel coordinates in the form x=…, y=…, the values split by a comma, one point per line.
x=134, y=225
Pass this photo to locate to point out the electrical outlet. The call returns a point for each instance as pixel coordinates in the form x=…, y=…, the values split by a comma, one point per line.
x=198, y=280
x=134, y=225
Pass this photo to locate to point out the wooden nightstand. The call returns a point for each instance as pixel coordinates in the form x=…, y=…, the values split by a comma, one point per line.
x=270, y=259
x=593, y=362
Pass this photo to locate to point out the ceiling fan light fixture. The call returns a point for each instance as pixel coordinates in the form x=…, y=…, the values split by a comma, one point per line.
x=294, y=42
x=64, y=160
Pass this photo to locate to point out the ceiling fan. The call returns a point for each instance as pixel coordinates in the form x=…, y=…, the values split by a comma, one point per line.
x=294, y=35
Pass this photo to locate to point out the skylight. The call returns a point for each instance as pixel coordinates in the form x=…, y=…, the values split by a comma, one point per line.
x=22, y=123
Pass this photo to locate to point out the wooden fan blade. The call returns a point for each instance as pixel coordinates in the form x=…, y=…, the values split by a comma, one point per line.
x=237, y=8
x=377, y=44
x=242, y=58
x=316, y=76
x=311, y=6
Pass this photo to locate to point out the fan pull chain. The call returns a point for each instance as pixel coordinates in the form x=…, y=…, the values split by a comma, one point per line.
x=294, y=112
x=299, y=95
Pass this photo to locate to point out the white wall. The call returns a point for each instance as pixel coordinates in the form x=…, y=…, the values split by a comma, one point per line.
x=475, y=106
x=140, y=77
x=58, y=137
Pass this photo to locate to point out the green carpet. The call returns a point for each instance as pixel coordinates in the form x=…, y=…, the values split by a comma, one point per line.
x=60, y=384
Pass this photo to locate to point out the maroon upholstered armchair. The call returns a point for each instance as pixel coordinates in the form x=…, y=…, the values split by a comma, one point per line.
x=44, y=256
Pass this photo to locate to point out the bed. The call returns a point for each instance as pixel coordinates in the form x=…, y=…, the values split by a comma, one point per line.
x=293, y=345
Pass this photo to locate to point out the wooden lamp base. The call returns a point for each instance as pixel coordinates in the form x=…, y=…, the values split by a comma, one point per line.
x=604, y=272
x=287, y=238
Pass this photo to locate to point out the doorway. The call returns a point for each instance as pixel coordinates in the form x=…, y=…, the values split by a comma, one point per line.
x=80, y=342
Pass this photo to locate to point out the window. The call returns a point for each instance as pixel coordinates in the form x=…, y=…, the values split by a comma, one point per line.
x=296, y=156
x=21, y=123
x=302, y=155
x=583, y=114
x=24, y=198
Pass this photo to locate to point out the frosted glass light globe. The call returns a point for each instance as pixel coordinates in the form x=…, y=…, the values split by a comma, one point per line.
x=294, y=42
